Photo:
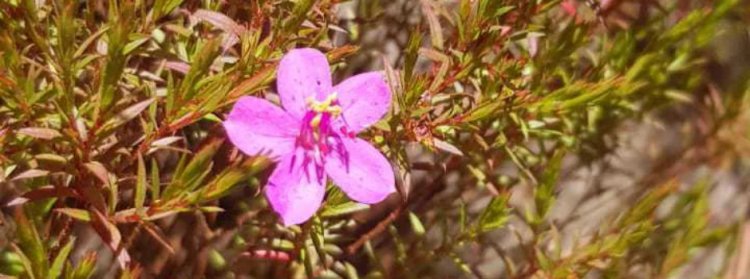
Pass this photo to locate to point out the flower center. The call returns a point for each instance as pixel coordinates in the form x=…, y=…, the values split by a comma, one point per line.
x=318, y=136
x=327, y=108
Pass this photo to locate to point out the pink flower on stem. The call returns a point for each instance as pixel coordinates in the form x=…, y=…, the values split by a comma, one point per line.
x=314, y=136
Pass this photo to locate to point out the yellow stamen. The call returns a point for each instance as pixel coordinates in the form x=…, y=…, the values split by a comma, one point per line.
x=335, y=110
x=324, y=106
x=315, y=122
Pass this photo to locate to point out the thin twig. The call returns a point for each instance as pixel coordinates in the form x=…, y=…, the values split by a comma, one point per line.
x=379, y=228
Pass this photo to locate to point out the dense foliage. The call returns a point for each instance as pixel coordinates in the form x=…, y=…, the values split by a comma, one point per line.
x=545, y=139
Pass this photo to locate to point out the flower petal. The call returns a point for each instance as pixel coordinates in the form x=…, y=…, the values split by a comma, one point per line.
x=364, y=99
x=294, y=190
x=257, y=126
x=362, y=172
x=302, y=73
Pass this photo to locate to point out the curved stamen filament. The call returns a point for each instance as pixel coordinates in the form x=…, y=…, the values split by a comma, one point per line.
x=320, y=133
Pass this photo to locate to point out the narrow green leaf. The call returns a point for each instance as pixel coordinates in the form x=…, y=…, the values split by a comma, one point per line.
x=78, y=214
x=28, y=267
x=351, y=271
x=483, y=111
x=199, y=68
x=544, y=193
x=416, y=224
x=140, y=185
x=84, y=269
x=447, y=147
x=343, y=209
x=39, y=133
x=31, y=244
x=164, y=7
x=117, y=38
x=221, y=21
x=133, y=45
x=306, y=256
x=299, y=13
x=494, y=215
x=59, y=262
x=225, y=181
x=194, y=172
x=32, y=173
x=106, y=230
x=436, y=31
x=126, y=115
x=216, y=261
x=155, y=180
x=99, y=171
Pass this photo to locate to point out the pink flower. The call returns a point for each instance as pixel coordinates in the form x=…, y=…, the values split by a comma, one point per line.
x=314, y=136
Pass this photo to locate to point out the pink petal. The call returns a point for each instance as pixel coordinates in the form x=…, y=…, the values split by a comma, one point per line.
x=302, y=73
x=364, y=174
x=364, y=99
x=294, y=190
x=257, y=126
